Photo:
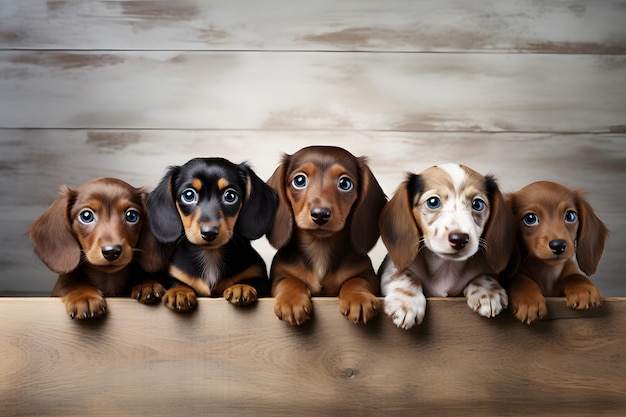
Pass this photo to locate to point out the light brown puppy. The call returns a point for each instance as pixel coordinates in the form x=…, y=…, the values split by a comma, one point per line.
x=559, y=232
x=90, y=236
x=325, y=224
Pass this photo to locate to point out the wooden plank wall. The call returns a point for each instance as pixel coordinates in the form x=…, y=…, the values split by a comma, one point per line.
x=525, y=90
x=224, y=360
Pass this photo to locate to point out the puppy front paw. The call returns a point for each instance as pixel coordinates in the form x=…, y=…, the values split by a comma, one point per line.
x=582, y=296
x=180, y=299
x=148, y=292
x=528, y=307
x=486, y=297
x=240, y=294
x=405, y=310
x=359, y=306
x=85, y=303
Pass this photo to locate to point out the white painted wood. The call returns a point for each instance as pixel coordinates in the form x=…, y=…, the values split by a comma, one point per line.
x=553, y=26
x=332, y=91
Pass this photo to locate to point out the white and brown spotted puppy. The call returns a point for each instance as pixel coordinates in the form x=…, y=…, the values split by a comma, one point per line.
x=448, y=233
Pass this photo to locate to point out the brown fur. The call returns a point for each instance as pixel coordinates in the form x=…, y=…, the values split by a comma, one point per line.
x=75, y=250
x=543, y=273
x=328, y=259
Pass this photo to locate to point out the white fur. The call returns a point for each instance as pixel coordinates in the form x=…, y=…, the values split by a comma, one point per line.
x=485, y=296
x=404, y=299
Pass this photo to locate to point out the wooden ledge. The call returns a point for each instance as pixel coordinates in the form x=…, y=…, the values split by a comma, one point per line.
x=145, y=360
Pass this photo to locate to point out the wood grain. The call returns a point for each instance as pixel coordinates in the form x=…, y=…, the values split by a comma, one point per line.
x=315, y=90
x=222, y=360
x=553, y=26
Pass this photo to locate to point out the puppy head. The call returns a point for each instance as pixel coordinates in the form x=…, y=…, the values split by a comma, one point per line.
x=208, y=200
x=104, y=220
x=556, y=223
x=323, y=190
x=451, y=209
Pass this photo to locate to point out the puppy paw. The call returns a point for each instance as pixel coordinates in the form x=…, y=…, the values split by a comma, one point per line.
x=180, y=299
x=148, y=292
x=359, y=306
x=486, y=297
x=405, y=302
x=85, y=303
x=528, y=307
x=240, y=294
x=583, y=296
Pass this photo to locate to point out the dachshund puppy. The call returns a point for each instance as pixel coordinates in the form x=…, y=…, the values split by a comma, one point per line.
x=325, y=224
x=210, y=209
x=449, y=233
x=91, y=236
x=560, y=233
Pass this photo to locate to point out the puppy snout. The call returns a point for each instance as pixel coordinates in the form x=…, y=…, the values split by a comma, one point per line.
x=209, y=232
x=111, y=252
x=458, y=240
x=320, y=215
x=558, y=246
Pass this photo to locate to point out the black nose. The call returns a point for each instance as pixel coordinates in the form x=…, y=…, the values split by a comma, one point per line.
x=458, y=240
x=111, y=252
x=208, y=232
x=558, y=246
x=320, y=215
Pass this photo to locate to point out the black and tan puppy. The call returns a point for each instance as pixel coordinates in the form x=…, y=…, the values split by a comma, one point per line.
x=210, y=209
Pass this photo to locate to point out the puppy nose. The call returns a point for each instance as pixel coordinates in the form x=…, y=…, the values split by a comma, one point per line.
x=111, y=252
x=209, y=232
x=458, y=240
x=320, y=215
x=558, y=246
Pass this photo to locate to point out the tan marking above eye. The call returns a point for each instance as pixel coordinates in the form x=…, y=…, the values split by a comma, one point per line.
x=222, y=183
x=197, y=184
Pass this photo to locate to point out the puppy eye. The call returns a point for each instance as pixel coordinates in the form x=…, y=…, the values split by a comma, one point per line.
x=132, y=216
x=570, y=216
x=189, y=196
x=230, y=196
x=433, y=203
x=478, y=204
x=299, y=181
x=531, y=219
x=345, y=184
x=86, y=216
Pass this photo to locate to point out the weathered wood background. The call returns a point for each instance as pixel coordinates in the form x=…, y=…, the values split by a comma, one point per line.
x=223, y=360
x=525, y=90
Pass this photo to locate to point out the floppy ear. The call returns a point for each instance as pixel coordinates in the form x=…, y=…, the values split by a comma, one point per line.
x=52, y=236
x=592, y=235
x=152, y=255
x=257, y=213
x=163, y=217
x=398, y=228
x=282, y=228
x=500, y=231
x=364, y=230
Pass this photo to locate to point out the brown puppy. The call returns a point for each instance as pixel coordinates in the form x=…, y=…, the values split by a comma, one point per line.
x=90, y=236
x=325, y=224
x=559, y=233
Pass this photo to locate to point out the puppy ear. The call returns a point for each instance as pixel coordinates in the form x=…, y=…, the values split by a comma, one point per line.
x=282, y=227
x=257, y=213
x=592, y=235
x=52, y=236
x=364, y=230
x=152, y=255
x=500, y=231
x=398, y=227
x=163, y=217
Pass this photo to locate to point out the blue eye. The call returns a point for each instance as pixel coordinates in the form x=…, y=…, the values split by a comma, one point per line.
x=478, y=204
x=344, y=183
x=570, y=216
x=433, y=203
x=299, y=181
x=132, y=216
x=531, y=219
x=86, y=216
x=189, y=196
x=230, y=196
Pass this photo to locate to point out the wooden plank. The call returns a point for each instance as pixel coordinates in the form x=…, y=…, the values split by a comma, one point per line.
x=222, y=360
x=358, y=25
x=332, y=91
x=34, y=163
